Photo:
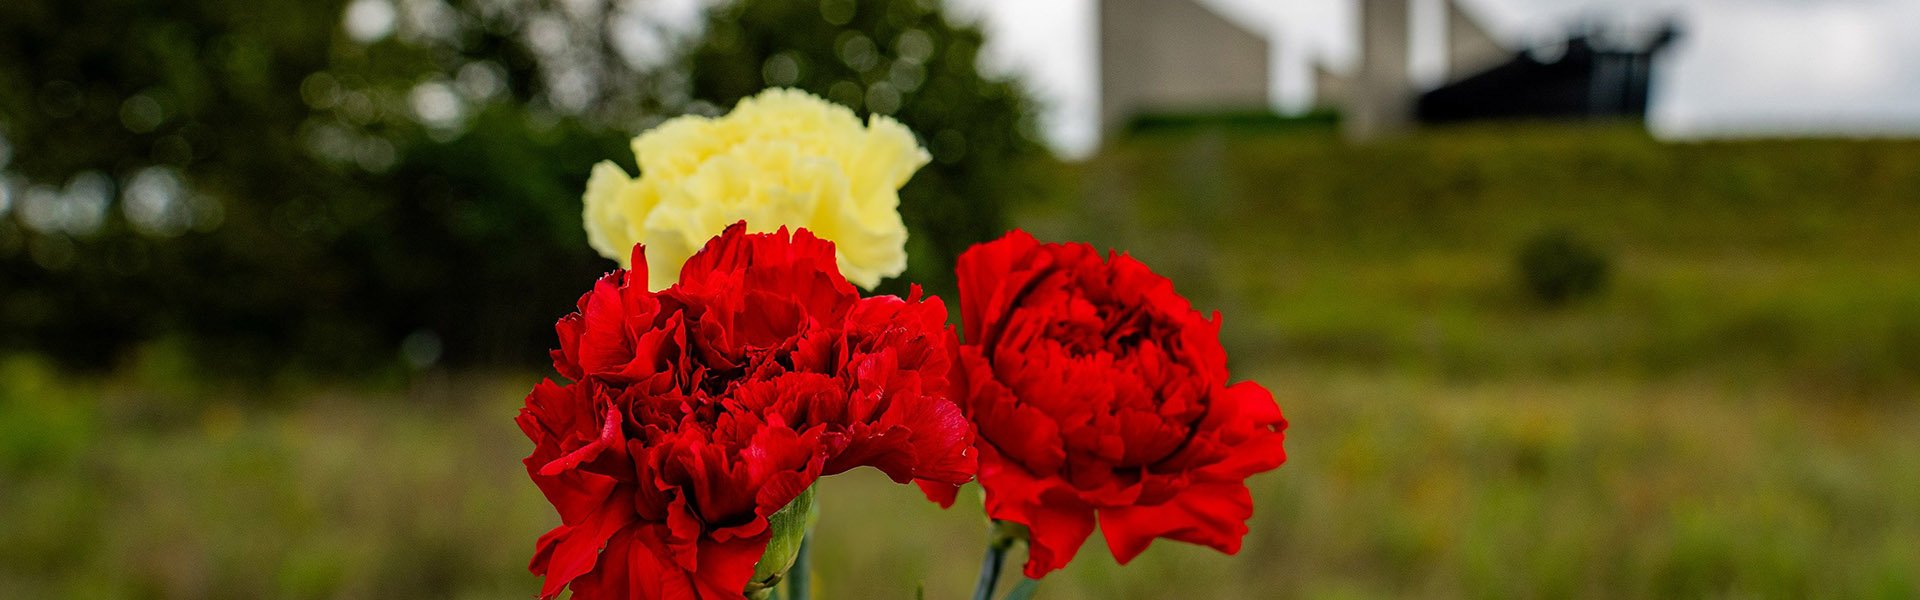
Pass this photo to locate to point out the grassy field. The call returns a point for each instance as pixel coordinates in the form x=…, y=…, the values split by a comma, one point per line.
x=1398, y=485
x=1736, y=415
x=1793, y=260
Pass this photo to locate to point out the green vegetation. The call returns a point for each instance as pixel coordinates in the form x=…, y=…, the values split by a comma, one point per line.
x=1237, y=121
x=1787, y=261
x=1733, y=415
x=1398, y=485
x=144, y=488
x=1560, y=268
x=257, y=184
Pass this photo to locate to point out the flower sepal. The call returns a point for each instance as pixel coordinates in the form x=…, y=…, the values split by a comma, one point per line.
x=789, y=528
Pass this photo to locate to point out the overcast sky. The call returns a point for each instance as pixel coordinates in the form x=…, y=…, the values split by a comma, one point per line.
x=1744, y=67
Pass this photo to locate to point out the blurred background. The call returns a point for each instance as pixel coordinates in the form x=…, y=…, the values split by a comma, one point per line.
x=1564, y=298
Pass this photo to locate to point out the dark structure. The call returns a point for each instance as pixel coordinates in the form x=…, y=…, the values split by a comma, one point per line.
x=1594, y=77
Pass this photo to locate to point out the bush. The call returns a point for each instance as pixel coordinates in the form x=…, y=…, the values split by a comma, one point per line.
x=1558, y=267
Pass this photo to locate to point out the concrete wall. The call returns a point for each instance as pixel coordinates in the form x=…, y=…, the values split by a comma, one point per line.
x=1380, y=102
x=1470, y=49
x=1176, y=55
x=1330, y=89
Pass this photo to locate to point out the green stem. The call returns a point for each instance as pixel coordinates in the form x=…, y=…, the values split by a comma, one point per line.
x=1023, y=590
x=800, y=578
x=989, y=571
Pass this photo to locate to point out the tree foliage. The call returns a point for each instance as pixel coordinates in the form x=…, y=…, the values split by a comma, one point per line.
x=251, y=178
x=285, y=181
x=902, y=58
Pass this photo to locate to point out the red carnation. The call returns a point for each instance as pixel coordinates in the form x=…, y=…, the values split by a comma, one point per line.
x=696, y=412
x=1098, y=390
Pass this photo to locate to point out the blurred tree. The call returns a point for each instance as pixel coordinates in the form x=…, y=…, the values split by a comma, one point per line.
x=906, y=59
x=308, y=180
x=355, y=184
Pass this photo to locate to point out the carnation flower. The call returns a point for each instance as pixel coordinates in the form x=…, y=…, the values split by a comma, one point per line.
x=782, y=158
x=1100, y=392
x=695, y=413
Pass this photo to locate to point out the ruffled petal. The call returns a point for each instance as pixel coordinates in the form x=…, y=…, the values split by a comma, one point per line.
x=1212, y=515
x=1057, y=531
x=696, y=412
x=1095, y=387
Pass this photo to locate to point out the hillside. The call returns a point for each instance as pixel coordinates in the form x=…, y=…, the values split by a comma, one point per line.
x=1790, y=259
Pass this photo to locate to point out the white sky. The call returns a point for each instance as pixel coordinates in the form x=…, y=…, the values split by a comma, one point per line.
x=1742, y=67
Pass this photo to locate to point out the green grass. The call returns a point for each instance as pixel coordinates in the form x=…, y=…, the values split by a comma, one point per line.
x=1398, y=485
x=1410, y=486
x=1788, y=260
x=114, y=491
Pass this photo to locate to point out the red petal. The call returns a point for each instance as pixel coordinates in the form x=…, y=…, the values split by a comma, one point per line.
x=603, y=341
x=609, y=438
x=990, y=276
x=575, y=549
x=635, y=567
x=1057, y=531
x=1212, y=514
x=1059, y=523
x=942, y=494
x=725, y=567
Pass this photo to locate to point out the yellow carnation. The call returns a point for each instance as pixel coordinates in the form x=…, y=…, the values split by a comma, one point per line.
x=783, y=157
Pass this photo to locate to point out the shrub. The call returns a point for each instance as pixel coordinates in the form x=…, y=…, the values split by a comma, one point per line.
x=1558, y=267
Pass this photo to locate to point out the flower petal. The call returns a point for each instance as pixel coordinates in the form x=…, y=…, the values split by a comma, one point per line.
x=1212, y=515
